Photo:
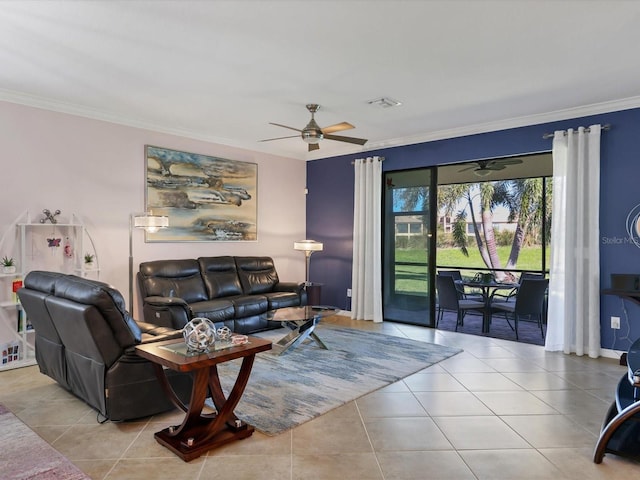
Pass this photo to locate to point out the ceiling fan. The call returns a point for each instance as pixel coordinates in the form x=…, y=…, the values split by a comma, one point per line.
x=482, y=168
x=312, y=133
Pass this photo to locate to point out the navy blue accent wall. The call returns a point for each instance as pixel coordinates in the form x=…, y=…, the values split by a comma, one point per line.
x=330, y=203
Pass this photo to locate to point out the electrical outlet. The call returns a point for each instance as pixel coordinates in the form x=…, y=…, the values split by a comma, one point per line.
x=349, y=292
x=615, y=322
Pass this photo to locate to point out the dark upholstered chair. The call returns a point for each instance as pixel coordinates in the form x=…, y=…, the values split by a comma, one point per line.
x=448, y=300
x=85, y=340
x=529, y=304
x=462, y=293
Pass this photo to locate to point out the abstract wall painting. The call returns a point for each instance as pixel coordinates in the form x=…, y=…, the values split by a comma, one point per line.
x=207, y=199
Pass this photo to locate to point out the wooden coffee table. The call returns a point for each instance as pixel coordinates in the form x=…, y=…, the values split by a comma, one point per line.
x=302, y=322
x=200, y=432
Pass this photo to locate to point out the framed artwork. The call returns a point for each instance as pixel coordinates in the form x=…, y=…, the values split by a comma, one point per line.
x=207, y=199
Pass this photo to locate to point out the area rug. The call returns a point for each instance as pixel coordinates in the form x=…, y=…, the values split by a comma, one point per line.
x=25, y=455
x=303, y=383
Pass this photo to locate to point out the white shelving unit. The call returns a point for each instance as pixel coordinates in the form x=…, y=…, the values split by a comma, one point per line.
x=34, y=245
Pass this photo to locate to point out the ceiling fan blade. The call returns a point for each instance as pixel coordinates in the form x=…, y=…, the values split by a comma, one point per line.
x=472, y=167
x=278, y=138
x=509, y=161
x=340, y=138
x=284, y=126
x=314, y=146
x=338, y=127
x=493, y=167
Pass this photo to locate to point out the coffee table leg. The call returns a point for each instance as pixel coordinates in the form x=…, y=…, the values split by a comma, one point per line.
x=299, y=333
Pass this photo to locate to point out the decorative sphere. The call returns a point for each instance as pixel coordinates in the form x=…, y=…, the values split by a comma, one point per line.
x=224, y=334
x=199, y=334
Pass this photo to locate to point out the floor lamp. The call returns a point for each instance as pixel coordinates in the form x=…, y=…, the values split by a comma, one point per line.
x=308, y=247
x=151, y=223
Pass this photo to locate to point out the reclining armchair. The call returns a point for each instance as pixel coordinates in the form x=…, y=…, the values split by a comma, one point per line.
x=85, y=340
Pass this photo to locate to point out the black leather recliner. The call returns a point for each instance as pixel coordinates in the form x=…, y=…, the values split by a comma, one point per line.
x=85, y=340
x=231, y=291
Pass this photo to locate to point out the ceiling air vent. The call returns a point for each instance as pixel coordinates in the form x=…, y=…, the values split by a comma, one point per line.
x=384, y=102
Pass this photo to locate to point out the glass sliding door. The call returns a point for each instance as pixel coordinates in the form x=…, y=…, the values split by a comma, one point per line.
x=408, y=246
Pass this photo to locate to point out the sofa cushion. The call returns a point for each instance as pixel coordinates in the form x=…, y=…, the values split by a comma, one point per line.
x=173, y=278
x=257, y=274
x=217, y=310
x=106, y=300
x=248, y=305
x=282, y=299
x=42, y=281
x=220, y=276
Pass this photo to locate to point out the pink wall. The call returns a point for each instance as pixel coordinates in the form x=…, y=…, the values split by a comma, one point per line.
x=95, y=169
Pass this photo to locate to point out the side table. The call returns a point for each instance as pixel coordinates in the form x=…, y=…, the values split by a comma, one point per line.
x=200, y=432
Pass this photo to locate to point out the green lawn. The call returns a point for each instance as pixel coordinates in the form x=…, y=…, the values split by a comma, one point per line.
x=413, y=278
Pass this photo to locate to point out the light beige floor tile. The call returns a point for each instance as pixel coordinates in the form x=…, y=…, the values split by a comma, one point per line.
x=156, y=468
x=539, y=380
x=550, y=431
x=398, y=434
x=525, y=464
x=361, y=466
x=577, y=464
x=490, y=352
x=441, y=465
x=395, y=387
x=515, y=403
x=465, y=362
x=328, y=435
x=467, y=433
x=392, y=404
x=439, y=404
x=571, y=401
x=83, y=442
x=483, y=382
x=96, y=469
x=435, y=382
x=257, y=444
x=512, y=365
x=247, y=467
x=589, y=379
x=57, y=412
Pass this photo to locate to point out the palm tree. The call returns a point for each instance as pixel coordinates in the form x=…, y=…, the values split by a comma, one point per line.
x=521, y=197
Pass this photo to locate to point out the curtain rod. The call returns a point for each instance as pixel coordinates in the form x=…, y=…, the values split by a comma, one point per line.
x=380, y=158
x=550, y=135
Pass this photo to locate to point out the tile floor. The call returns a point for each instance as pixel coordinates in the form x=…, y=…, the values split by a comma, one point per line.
x=499, y=410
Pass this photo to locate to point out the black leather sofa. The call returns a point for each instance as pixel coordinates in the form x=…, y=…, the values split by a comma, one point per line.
x=230, y=291
x=85, y=340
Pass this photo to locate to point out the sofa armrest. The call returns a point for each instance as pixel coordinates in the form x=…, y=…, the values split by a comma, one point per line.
x=294, y=287
x=155, y=333
x=171, y=312
x=165, y=301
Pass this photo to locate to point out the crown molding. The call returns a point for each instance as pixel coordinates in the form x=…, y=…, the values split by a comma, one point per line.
x=524, y=121
x=528, y=120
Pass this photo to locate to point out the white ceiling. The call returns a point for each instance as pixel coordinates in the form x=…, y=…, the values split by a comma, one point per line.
x=222, y=70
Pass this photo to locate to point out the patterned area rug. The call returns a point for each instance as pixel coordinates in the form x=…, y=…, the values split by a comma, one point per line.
x=25, y=455
x=285, y=391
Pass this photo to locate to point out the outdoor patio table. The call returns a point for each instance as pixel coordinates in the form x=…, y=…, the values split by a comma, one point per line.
x=487, y=288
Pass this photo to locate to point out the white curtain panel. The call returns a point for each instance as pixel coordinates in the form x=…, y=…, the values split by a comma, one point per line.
x=366, y=276
x=574, y=287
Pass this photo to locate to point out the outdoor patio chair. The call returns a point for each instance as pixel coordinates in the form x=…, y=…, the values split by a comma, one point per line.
x=448, y=300
x=529, y=304
x=462, y=293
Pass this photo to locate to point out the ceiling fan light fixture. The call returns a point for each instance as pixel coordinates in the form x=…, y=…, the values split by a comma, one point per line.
x=312, y=136
x=482, y=172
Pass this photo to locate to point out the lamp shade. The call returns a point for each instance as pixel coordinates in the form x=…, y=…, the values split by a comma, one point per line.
x=151, y=223
x=308, y=245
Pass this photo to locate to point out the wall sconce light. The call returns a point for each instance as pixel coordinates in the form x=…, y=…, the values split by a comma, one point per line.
x=308, y=247
x=151, y=223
